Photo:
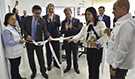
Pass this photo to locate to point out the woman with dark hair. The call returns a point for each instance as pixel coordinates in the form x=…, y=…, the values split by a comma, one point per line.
x=92, y=37
x=13, y=45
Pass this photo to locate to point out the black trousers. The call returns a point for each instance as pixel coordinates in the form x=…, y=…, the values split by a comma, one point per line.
x=56, y=47
x=119, y=73
x=40, y=56
x=94, y=57
x=14, y=65
x=71, y=48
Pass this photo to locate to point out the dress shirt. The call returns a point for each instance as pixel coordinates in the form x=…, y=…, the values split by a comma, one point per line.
x=69, y=23
x=100, y=18
x=121, y=49
x=51, y=17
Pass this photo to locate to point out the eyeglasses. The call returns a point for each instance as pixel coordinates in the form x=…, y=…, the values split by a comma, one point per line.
x=37, y=13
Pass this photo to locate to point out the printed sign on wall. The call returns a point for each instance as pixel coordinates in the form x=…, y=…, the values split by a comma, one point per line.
x=102, y=1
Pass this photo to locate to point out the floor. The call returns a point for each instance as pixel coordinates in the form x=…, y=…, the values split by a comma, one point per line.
x=56, y=73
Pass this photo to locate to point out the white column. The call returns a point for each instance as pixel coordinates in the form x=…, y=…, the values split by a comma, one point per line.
x=3, y=65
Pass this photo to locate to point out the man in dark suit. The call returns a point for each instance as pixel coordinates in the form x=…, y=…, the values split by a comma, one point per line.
x=24, y=15
x=53, y=23
x=18, y=17
x=34, y=28
x=70, y=27
x=103, y=17
x=19, y=20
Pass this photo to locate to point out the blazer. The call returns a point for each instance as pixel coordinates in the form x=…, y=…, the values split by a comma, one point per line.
x=76, y=27
x=107, y=20
x=41, y=33
x=53, y=26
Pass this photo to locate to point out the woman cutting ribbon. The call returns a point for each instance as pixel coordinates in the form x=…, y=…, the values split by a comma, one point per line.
x=93, y=36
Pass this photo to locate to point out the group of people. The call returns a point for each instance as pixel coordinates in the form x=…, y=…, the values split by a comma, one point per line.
x=93, y=37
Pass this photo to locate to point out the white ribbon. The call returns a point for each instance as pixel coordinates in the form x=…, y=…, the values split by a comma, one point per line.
x=61, y=39
x=56, y=59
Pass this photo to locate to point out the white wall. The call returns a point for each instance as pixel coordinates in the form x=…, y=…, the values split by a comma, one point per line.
x=132, y=8
x=27, y=4
x=3, y=64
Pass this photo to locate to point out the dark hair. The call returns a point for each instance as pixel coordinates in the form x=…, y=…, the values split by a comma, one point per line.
x=66, y=9
x=14, y=10
x=102, y=7
x=94, y=13
x=7, y=16
x=50, y=5
x=36, y=7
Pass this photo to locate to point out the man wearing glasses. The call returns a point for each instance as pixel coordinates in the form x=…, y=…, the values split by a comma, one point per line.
x=34, y=27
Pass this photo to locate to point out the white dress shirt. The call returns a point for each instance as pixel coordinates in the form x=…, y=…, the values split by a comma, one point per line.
x=51, y=17
x=99, y=28
x=121, y=49
x=100, y=18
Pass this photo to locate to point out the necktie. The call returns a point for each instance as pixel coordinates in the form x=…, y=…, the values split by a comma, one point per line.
x=34, y=29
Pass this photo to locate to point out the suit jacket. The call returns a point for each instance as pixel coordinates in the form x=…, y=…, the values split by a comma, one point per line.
x=76, y=27
x=23, y=18
x=18, y=17
x=41, y=28
x=53, y=26
x=107, y=21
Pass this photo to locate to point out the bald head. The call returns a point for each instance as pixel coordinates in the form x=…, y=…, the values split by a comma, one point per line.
x=123, y=4
x=121, y=8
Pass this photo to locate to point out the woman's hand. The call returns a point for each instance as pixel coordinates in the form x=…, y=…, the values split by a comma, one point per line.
x=72, y=40
x=108, y=32
x=112, y=71
x=50, y=38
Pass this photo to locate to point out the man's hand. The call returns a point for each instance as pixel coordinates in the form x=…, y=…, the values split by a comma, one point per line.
x=112, y=71
x=22, y=41
x=29, y=38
